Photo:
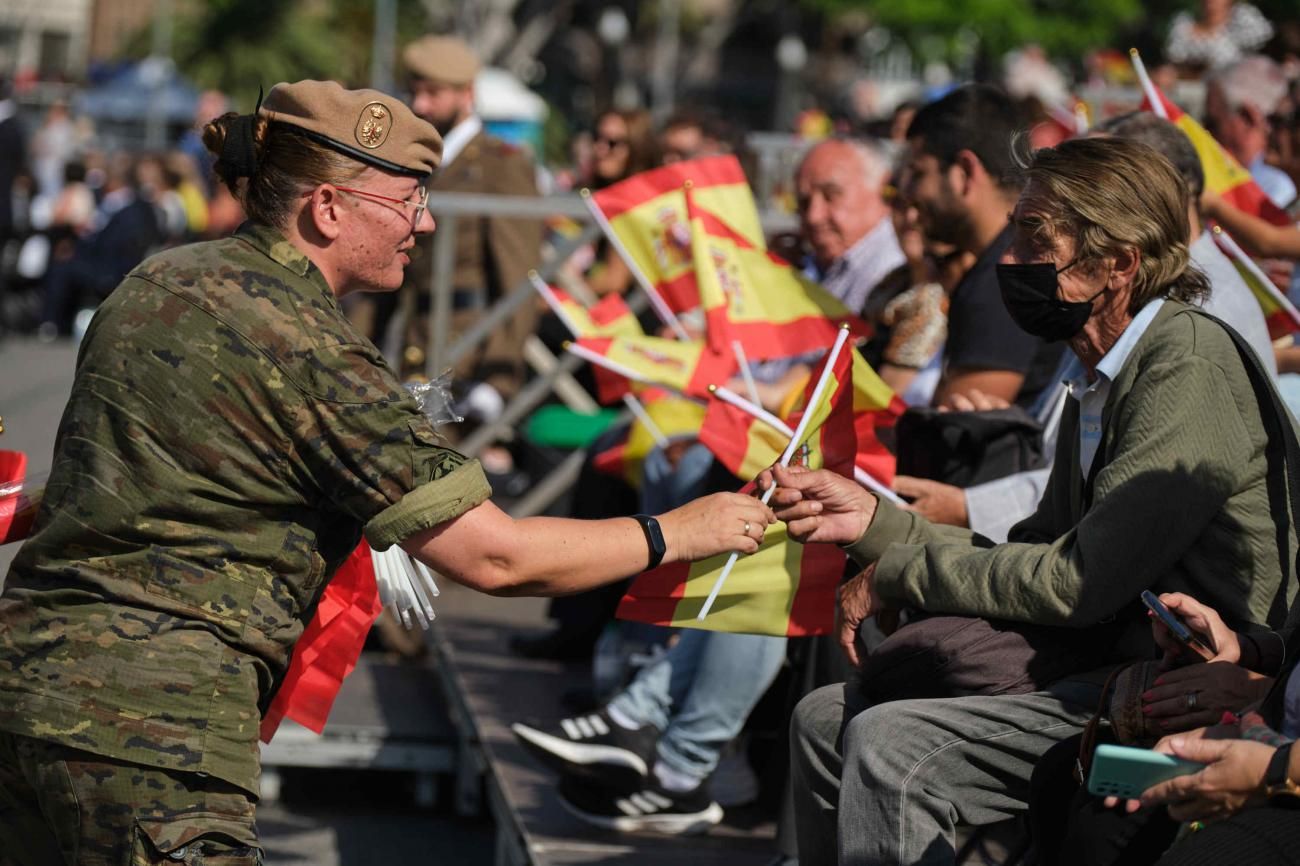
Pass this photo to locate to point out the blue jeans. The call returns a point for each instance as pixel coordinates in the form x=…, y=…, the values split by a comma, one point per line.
x=700, y=692
x=666, y=487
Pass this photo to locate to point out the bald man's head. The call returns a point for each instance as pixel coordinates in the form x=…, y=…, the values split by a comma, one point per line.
x=839, y=184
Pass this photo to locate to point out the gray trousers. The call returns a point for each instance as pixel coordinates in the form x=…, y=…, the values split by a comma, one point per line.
x=888, y=784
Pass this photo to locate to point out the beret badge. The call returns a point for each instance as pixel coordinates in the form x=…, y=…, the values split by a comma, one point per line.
x=373, y=125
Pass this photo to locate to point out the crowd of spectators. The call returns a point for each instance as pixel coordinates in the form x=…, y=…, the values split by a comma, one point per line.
x=1163, y=475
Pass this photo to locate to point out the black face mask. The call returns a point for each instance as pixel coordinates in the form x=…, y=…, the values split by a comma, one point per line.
x=1030, y=295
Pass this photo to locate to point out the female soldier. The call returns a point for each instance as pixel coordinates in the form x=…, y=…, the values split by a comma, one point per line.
x=228, y=438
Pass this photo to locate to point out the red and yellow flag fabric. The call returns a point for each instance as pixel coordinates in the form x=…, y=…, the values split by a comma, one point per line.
x=875, y=405
x=608, y=317
x=688, y=367
x=20, y=496
x=675, y=417
x=785, y=588
x=1279, y=314
x=648, y=213
x=329, y=647
x=1230, y=179
x=744, y=444
x=756, y=297
x=1223, y=173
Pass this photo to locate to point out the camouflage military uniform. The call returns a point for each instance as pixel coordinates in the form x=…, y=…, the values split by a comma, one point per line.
x=227, y=439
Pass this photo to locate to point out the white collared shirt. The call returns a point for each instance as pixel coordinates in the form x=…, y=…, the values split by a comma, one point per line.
x=454, y=142
x=854, y=276
x=1092, y=397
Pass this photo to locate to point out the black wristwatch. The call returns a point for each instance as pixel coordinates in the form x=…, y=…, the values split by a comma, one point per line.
x=654, y=538
x=1277, y=781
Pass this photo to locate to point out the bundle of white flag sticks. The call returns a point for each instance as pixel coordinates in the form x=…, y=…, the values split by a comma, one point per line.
x=406, y=585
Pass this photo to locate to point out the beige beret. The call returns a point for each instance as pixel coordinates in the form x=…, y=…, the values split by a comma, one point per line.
x=441, y=59
x=367, y=125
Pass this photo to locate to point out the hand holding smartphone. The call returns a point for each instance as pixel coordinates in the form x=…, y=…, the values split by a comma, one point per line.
x=1181, y=633
x=1125, y=772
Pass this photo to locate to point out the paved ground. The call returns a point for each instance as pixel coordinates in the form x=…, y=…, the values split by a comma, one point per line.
x=325, y=818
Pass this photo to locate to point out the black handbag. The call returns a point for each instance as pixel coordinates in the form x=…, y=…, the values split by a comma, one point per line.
x=956, y=656
x=966, y=448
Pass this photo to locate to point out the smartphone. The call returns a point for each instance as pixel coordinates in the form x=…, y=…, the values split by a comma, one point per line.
x=1125, y=772
x=1177, y=627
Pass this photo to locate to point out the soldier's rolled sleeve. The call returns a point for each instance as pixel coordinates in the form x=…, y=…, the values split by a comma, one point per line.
x=377, y=458
x=427, y=506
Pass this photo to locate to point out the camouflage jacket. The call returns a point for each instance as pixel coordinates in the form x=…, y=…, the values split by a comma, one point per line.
x=228, y=437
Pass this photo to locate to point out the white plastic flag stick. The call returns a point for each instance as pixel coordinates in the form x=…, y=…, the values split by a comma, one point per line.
x=647, y=422
x=795, y=441
x=601, y=361
x=399, y=596
x=427, y=576
x=750, y=387
x=385, y=591
x=662, y=310
x=1245, y=261
x=408, y=594
x=1081, y=124
x=860, y=475
x=726, y=395
x=404, y=602
x=548, y=295
x=1148, y=86
x=403, y=564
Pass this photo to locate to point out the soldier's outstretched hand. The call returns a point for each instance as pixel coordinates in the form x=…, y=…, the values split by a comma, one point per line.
x=719, y=523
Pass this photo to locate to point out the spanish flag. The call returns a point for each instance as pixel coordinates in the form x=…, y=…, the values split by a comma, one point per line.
x=1223, y=173
x=756, y=297
x=1230, y=179
x=329, y=647
x=747, y=445
x=687, y=367
x=673, y=417
x=608, y=317
x=785, y=588
x=648, y=213
x=20, y=497
x=1280, y=314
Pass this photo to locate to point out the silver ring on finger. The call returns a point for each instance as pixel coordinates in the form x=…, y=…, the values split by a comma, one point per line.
x=747, y=527
x=1190, y=698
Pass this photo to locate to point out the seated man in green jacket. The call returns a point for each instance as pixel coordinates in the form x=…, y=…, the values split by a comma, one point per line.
x=1161, y=481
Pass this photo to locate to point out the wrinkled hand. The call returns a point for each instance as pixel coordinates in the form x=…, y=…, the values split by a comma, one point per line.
x=973, y=400
x=1219, y=687
x=1233, y=779
x=714, y=524
x=933, y=500
x=1199, y=618
x=856, y=601
x=819, y=505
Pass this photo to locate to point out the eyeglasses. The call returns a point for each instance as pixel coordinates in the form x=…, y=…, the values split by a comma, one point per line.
x=421, y=203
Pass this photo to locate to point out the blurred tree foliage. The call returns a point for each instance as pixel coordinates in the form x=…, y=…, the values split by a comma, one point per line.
x=948, y=29
x=238, y=45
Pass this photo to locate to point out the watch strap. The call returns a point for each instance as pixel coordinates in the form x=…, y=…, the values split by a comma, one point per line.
x=1277, y=779
x=654, y=539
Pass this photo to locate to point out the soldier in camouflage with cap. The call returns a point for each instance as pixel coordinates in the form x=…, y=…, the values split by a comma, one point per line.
x=228, y=439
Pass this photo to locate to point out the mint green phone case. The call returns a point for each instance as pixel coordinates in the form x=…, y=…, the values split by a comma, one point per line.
x=1125, y=772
